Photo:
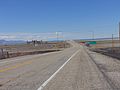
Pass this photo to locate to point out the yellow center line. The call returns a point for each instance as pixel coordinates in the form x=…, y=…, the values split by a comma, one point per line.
x=16, y=66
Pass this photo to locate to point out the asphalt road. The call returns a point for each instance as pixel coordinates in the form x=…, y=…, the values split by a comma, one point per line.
x=74, y=68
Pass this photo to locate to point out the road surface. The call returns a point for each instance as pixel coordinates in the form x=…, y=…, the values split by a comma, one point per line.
x=74, y=68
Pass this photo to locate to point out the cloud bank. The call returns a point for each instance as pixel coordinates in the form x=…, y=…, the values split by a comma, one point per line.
x=29, y=36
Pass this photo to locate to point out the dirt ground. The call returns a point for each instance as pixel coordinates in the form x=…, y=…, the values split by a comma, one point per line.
x=109, y=48
x=109, y=51
x=28, y=49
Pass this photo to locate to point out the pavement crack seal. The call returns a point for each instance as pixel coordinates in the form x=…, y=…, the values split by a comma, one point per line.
x=11, y=68
x=15, y=66
x=15, y=78
x=50, y=78
x=1, y=85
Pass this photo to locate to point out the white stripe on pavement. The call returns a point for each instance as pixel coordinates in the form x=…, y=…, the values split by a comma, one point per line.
x=47, y=81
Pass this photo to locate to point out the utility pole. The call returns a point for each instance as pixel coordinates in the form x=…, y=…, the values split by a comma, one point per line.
x=57, y=40
x=93, y=35
x=119, y=34
x=112, y=41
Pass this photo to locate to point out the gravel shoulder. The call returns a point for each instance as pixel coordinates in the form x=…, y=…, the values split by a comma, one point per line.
x=110, y=67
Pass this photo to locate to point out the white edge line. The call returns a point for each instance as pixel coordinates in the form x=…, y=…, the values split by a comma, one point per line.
x=48, y=80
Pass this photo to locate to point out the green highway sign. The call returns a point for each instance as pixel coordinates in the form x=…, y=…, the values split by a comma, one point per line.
x=92, y=42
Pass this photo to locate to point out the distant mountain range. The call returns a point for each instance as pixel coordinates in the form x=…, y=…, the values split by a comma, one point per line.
x=10, y=42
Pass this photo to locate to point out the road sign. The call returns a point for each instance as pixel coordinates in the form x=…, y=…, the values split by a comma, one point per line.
x=92, y=42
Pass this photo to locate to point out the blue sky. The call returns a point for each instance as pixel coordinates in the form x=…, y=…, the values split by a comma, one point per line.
x=74, y=18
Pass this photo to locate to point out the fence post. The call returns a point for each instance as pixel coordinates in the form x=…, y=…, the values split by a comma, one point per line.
x=2, y=53
x=7, y=54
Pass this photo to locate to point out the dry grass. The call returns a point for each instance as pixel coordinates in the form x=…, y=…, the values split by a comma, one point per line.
x=29, y=49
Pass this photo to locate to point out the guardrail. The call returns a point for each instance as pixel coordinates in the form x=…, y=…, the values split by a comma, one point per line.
x=112, y=52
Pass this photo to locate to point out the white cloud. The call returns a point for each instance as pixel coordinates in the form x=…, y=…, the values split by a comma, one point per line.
x=28, y=36
x=44, y=36
x=7, y=37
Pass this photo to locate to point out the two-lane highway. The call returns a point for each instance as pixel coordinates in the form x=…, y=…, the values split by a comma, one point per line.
x=70, y=69
x=30, y=72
